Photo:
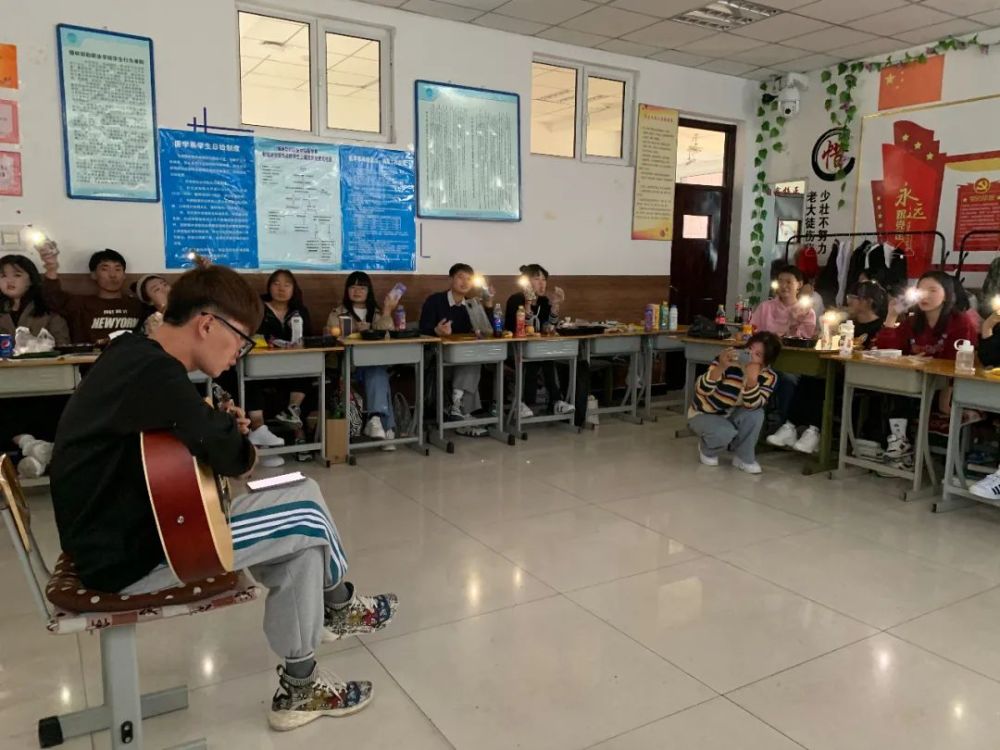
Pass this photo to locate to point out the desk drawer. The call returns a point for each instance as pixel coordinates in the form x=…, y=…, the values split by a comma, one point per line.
x=891, y=379
x=551, y=349
x=376, y=355
x=284, y=365
x=610, y=344
x=665, y=343
x=470, y=354
x=978, y=393
x=42, y=379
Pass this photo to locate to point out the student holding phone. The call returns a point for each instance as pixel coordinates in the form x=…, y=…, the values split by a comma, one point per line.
x=727, y=411
x=359, y=305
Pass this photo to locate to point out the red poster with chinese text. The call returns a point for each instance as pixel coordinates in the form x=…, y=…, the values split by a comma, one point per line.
x=978, y=207
x=9, y=132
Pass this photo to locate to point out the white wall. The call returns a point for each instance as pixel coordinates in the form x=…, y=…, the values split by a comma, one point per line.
x=577, y=217
x=967, y=74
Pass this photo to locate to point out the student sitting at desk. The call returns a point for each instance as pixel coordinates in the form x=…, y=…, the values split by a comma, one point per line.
x=92, y=318
x=540, y=311
x=282, y=302
x=152, y=291
x=359, y=304
x=729, y=398
x=936, y=324
x=989, y=339
x=450, y=313
x=867, y=306
x=22, y=303
x=788, y=314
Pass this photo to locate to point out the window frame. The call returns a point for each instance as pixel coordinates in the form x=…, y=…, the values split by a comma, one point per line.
x=584, y=72
x=319, y=26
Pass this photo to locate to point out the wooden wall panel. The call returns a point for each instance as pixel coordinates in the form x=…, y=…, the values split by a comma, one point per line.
x=621, y=298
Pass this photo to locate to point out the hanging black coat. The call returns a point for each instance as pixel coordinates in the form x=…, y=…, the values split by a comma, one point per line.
x=827, y=283
x=857, y=263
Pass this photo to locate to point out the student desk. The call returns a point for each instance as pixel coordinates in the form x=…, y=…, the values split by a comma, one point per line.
x=295, y=362
x=660, y=342
x=624, y=344
x=469, y=350
x=543, y=349
x=384, y=353
x=899, y=377
x=979, y=390
x=793, y=360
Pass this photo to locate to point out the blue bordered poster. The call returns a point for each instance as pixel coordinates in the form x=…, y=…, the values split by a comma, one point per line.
x=468, y=152
x=377, y=202
x=208, y=198
x=109, y=114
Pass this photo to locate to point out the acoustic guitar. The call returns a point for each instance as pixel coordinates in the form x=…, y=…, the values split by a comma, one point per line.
x=190, y=505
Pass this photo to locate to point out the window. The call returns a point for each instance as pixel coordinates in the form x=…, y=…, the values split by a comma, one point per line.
x=284, y=86
x=559, y=125
x=695, y=227
x=701, y=156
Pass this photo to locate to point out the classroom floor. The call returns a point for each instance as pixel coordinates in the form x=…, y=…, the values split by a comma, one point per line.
x=594, y=591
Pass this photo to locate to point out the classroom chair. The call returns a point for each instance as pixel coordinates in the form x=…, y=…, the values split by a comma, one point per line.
x=68, y=608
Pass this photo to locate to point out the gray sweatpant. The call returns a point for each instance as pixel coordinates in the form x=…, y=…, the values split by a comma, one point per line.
x=289, y=543
x=738, y=431
x=466, y=379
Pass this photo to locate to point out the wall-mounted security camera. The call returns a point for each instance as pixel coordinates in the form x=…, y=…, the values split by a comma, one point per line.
x=790, y=88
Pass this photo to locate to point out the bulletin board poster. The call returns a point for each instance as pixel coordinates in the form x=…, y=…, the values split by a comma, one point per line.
x=468, y=153
x=109, y=114
x=933, y=168
x=377, y=198
x=655, y=173
x=298, y=205
x=9, y=132
x=8, y=66
x=10, y=173
x=208, y=198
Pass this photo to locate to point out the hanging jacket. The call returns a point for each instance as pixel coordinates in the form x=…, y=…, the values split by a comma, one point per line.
x=827, y=284
x=857, y=264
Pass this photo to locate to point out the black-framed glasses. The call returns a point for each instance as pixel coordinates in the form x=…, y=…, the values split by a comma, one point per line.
x=248, y=343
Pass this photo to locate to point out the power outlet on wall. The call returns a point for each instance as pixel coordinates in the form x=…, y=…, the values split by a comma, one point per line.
x=10, y=238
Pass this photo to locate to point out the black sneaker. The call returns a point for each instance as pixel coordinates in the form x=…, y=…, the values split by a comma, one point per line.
x=291, y=415
x=298, y=702
x=362, y=614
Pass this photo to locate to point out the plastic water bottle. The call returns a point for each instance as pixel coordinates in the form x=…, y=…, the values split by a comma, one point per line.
x=296, y=326
x=965, y=358
x=672, y=322
x=519, y=322
x=497, y=320
x=847, y=338
x=664, y=315
x=399, y=318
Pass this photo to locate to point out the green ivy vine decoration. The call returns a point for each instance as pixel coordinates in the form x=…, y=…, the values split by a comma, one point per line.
x=769, y=133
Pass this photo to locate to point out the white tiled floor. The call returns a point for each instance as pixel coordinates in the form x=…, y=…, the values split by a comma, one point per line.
x=598, y=591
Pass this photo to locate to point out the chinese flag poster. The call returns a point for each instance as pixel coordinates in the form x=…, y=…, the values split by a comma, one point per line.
x=912, y=83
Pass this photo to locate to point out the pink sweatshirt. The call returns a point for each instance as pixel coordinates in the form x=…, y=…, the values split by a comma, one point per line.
x=774, y=316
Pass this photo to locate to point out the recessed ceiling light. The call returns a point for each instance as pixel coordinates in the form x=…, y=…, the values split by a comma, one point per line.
x=724, y=15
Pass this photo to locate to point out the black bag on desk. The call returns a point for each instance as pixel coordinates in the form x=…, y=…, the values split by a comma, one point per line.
x=704, y=328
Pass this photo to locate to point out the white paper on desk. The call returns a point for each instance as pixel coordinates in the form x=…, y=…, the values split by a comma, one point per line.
x=268, y=483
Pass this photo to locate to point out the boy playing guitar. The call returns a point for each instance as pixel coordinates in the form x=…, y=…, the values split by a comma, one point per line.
x=285, y=536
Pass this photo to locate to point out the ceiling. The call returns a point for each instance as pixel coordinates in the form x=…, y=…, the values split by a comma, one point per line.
x=807, y=35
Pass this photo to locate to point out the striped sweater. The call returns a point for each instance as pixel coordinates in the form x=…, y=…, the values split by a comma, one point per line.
x=722, y=395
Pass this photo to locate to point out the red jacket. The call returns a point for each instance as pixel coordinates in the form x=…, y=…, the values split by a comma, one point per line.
x=937, y=345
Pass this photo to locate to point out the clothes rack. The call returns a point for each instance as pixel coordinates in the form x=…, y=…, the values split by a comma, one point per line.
x=796, y=238
x=963, y=253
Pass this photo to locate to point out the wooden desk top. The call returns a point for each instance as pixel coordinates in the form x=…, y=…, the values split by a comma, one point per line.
x=68, y=360
x=946, y=368
x=390, y=342
x=295, y=350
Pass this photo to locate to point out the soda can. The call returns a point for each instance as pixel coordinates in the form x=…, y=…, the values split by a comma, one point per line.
x=651, y=315
x=6, y=346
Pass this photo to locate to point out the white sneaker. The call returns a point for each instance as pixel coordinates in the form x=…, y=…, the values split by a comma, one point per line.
x=707, y=460
x=750, y=468
x=374, y=428
x=525, y=411
x=271, y=462
x=389, y=435
x=987, y=487
x=809, y=442
x=785, y=437
x=592, y=416
x=262, y=437
x=564, y=407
